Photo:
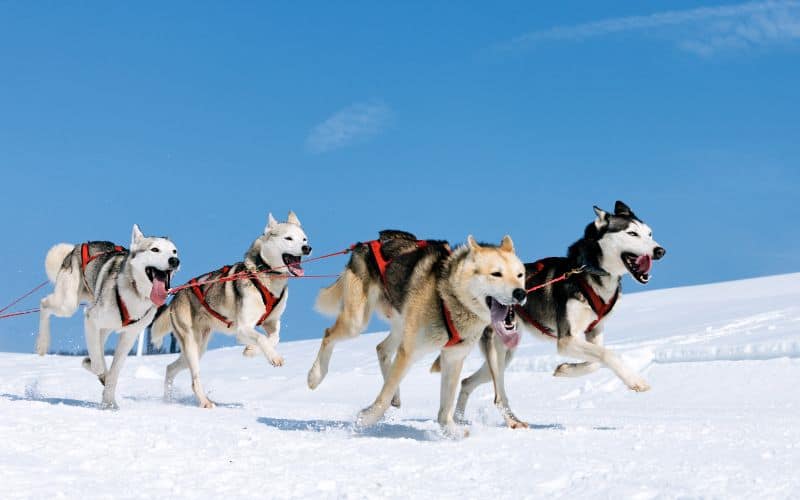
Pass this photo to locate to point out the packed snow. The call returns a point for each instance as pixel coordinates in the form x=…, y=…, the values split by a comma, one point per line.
x=721, y=419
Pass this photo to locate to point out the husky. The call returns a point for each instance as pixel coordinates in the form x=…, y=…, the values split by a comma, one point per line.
x=362, y=290
x=572, y=312
x=439, y=301
x=235, y=306
x=123, y=289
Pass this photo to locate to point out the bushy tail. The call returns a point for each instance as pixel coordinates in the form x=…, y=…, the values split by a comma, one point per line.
x=161, y=327
x=329, y=300
x=55, y=259
x=436, y=367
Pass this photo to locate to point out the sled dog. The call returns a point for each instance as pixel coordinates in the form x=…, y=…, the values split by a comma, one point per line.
x=572, y=312
x=123, y=289
x=235, y=307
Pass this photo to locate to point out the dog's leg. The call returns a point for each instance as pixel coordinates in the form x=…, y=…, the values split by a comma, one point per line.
x=253, y=337
x=386, y=351
x=452, y=360
x=498, y=356
x=353, y=318
x=573, y=346
x=102, y=338
x=584, y=368
x=402, y=362
x=273, y=329
x=63, y=302
x=173, y=369
x=191, y=351
x=95, y=343
x=126, y=341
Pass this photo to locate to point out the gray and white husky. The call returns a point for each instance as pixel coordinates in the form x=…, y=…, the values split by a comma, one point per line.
x=123, y=289
x=235, y=307
x=572, y=313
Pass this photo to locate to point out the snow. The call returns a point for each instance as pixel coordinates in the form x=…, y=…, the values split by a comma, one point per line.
x=720, y=421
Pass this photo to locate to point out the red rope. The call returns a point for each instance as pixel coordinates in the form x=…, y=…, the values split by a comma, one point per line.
x=17, y=300
x=556, y=280
x=252, y=274
x=18, y=313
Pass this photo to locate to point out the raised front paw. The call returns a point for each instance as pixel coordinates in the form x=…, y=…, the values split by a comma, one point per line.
x=562, y=370
x=637, y=384
x=276, y=360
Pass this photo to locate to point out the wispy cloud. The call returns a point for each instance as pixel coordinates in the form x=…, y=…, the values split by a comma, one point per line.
x=707, y=29
x=352, y=124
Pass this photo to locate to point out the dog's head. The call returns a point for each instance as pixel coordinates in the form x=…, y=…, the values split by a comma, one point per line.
x=284, y=244
x=626, y=242
x=495, y=281
x=153, y=260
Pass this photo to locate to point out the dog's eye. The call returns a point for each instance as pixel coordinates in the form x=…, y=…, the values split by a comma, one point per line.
x=289, y=238
x=497, y=274
x=519, y=275
x=633, y=233
x=174, y=252
x=154, y=249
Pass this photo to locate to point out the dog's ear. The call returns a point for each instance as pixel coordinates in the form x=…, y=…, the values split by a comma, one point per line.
x=602, y=218
x=507, y=244
x=292, y=218
x=472, y=244
x=271, y=223
x=136, y=235
x=623, y=210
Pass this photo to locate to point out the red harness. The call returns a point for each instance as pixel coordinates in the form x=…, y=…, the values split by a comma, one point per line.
x=376, y=247
x=86, y=258
x=270, y=301
x=598, y=305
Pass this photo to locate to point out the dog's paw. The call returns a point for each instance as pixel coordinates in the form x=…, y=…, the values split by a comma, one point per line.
x=276, y=360
x=454, y=431
x=637, y=384
x=109, y=405
x=315, y=375
x=514, y=423
x=368, y=416
x=396, y=401
x=562, y=370
x=250, y=351
x=42, y=345
x=207, y=404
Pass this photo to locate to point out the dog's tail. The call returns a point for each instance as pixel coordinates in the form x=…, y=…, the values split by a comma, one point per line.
x=436, y=367
x=329, y=300
x=55, y=259
x=161, y=326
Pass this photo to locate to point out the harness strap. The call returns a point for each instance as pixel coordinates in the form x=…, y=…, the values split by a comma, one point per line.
x=377, y=253
x=124, y=315
x=598, y=305
x=201, y=296
x=267, y=297
x=522, y=313
x=86, y=258
x=452, y=332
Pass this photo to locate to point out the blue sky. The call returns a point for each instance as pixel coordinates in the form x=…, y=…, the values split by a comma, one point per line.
x=195, y=119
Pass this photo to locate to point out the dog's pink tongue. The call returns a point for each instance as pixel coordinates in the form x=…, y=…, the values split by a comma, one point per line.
x=158, y=294
x=297, y=270
x=644, y=263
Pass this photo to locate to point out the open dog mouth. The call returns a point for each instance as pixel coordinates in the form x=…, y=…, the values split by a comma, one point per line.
x=504, y=322
x=293, y=264
x=160, y=281
x=638, y=265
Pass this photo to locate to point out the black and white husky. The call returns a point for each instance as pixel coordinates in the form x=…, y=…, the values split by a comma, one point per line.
x=123, y=289
x=572, y=312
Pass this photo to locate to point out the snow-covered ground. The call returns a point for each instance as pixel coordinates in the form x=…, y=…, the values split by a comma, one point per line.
x=722, y=419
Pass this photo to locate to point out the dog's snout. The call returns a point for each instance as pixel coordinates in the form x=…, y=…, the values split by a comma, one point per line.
x=519, y=295
x=306, y=250
x=659, y=252
x=173, y=262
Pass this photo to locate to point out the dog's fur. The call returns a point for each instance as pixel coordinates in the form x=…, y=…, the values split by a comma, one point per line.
x=239, y=301
x=563, y=309
x=359, y=291
x=417, y=283
x=129, y=273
